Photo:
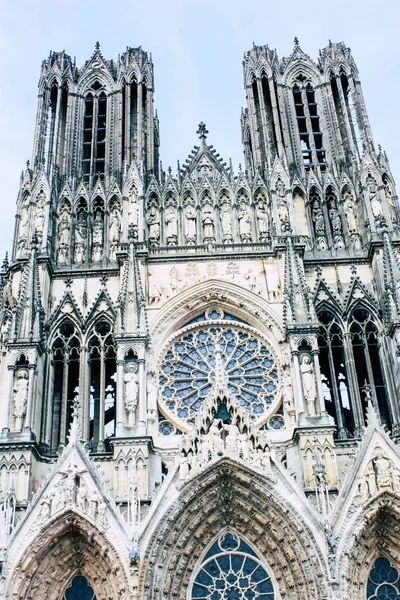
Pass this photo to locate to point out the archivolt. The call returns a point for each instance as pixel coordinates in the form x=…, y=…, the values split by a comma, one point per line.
x=374, y=532
x=68, y=546
x=228, y=496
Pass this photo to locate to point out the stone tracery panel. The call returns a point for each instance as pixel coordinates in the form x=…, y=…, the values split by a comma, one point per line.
x=189, y=366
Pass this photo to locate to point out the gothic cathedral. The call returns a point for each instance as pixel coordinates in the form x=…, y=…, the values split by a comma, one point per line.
x=199, y=371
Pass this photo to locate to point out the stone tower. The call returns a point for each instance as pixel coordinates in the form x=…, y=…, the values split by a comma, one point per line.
x=199, y=371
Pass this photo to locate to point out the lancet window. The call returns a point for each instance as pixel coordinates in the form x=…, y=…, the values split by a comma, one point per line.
x=383, y=581
x=308, y=124
x=56, y=126
x=94, y=133
x=65, y=362
x=102, y=377
x=232, y=570
x=352, y=371
x=80, y=589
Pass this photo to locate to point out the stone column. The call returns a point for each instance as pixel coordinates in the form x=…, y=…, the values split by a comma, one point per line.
x=120, y=397
x=6, y=423
x=317, y=372
x=29, y=407
x=298, y=388
x=141, y=418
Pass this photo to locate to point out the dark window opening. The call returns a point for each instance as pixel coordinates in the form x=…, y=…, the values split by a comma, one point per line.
x=271, y=126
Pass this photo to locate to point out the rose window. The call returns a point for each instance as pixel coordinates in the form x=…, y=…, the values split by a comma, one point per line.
x=194, y=361
x=232, y=571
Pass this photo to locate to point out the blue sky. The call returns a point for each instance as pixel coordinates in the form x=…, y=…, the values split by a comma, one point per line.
x=197, y=48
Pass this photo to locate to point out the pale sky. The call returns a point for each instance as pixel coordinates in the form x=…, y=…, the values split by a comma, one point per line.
x=197, y=48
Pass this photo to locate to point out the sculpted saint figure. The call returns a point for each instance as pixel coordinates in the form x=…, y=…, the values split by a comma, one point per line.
x=20, y=397
x=244, y=223
x=80, y=238
x=190, y=224
x=171, y=222
x=263, y=220
x=309, y=387
x=208, y=223
x=153, y=221
x=115, y=227
x=63, y=229
x=131, y=381
x=226, y=223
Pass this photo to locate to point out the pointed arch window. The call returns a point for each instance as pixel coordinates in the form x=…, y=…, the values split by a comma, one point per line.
x=102, y=377
x=368, y=364
x=335, y=385
x=308, y=124
x=80, y=589
x=94, y=133
x=66, y=356
x=383, y=581
x=231, y=570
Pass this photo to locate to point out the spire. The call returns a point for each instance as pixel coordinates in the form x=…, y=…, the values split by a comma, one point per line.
x=132, y=318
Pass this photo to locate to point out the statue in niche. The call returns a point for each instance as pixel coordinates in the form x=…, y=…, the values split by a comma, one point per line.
x=190, y=225
x=335, y=220
x=20, y=397
x=244, y=223
x=131, y=381
x=287, y=392
x=226, y=223
x=98, y=234
x=391, y=204
x=318, y=218
x=208, y=224
x=153, y=221
x=252, y=281
x=63, y=232
x=81, y=237
x=263, y=221
x=40, y=217
x=114, y=232
x=133, y=212
x=273, y=280
x=231, y=440
x=376, y=205
x=283, y=214
x=24, y=220
x=22, y=247
x=309, y=386
x=171, y=225
x=349, y=212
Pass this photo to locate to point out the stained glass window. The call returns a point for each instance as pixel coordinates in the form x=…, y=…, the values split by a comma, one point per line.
x=188, y=370
x=383, y=581
x=232, y=571
x=79, y=590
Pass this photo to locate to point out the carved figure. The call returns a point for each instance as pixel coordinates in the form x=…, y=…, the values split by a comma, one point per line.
x=190, y=225
x=217, y=443
x=155, y=288
x=231, y=441
x=39, y=219
x=335, y=220
x=318, y=218
x=391, y=204
x=382, y=468
x=133, y=212
x=171, y=222
x=183, y=466
x=131, y=391
x=24, y=220
x=263, y=221
x=349, y=212
x=273, y=280
x=98, y=233
x=309, y=387
x=115, y=227
x=226, y=223
x=287, y=392
x=283, y=213
x=63, y=232
x=244, y=223
x=153, y=221
x=208, y=224
x=80, y=238
x=21, y=397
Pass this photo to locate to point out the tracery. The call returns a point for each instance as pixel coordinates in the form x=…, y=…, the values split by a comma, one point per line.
x=232, y=571
x=383, y=581
x=79, y=589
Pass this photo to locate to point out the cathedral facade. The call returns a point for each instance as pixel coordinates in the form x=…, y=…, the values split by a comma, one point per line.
x=199, y=370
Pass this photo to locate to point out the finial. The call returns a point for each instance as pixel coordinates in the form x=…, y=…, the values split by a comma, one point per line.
x=296, y=42
x=97, y=47
x=28, y=164
x=353, y=269
x=5, y=264
x=202, y=131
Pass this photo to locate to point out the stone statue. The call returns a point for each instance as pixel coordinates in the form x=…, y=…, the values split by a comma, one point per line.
x=183, y=466
x=171, y=223
x=273, y=280
x=349, y=212
x=226, y=223
x=318, y=218
x=335, y=220
x=391, y=204
x=208, y=224
x=98, y=233
x=154, y=288
x=309, y=387
x=153, y=221
x=131, y=381
x=231, y=440
x=217, y=443
x=190, y=225
x=287, y=392
x=115, y=227
x=133, y=212
x=39, y=219
x=80, y=238
x=24, y=220
x=263, y=221
x=63, y=233
x=382, y=469
x=376, y=205
x=20, y=397
x=244, y=223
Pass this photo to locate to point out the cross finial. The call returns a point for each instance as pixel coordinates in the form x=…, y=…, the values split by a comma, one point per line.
x=97, y=46
x=202, y=131
x=296, y=42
